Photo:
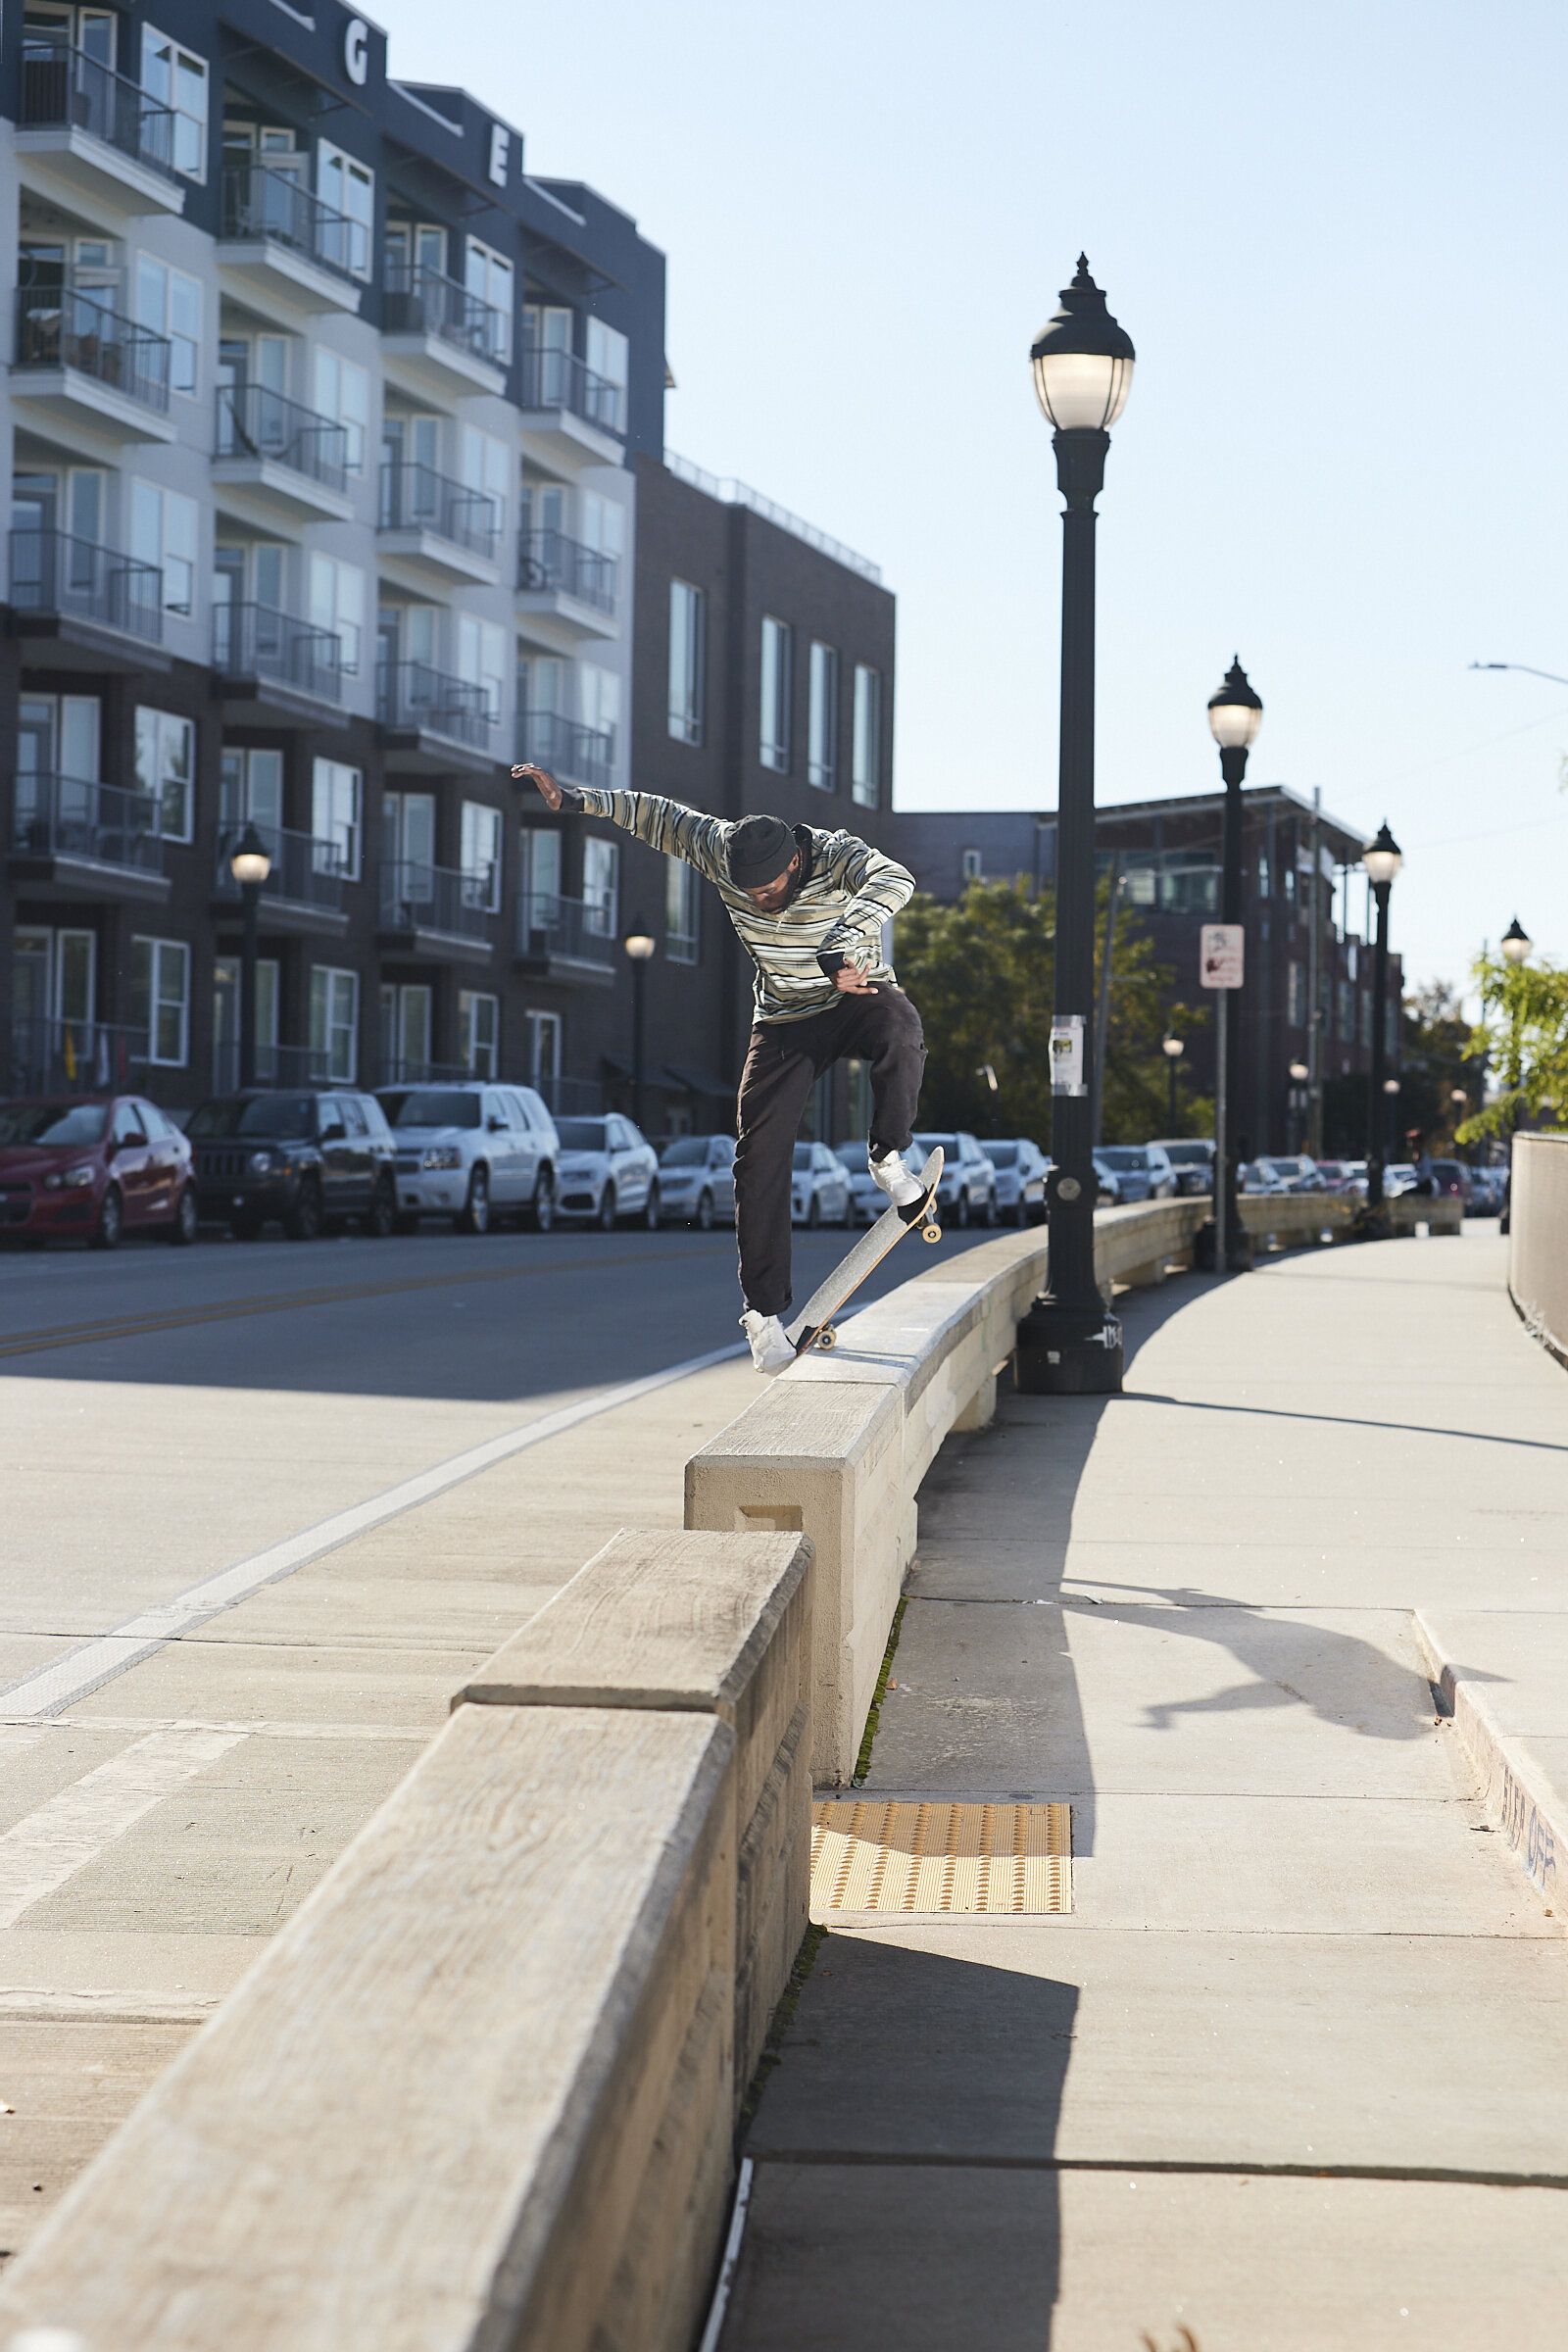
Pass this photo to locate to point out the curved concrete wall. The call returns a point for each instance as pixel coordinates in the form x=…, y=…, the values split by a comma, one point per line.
x=1538, y=1237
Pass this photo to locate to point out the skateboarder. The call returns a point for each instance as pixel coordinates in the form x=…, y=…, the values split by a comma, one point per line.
x=808, y=908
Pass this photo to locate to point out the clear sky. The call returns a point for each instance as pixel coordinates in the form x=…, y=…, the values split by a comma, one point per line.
x=1335, y=234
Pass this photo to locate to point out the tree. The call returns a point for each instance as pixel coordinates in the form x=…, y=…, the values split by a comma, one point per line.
x=1524, y=1031
x=1440, y=1056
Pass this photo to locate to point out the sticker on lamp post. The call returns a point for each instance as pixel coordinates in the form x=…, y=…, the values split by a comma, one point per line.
x=1067, y=1055
x=1221, y=954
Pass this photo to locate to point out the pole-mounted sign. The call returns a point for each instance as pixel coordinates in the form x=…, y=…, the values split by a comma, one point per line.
x=1067, y=1055
x=1221, y=954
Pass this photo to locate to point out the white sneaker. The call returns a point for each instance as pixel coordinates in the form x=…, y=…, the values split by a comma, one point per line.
x=770, y=1349
x=892, y=1176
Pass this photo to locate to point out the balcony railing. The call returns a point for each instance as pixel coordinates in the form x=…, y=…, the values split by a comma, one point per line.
x=51, y=572
x=62, y=327
x=421, y=301
x=558, y=379
x=254, y=421
x=416, y=497
x=61, y=816
x=550, y=560
x=571, y=1098
x=405, y=1069
x=582, y=755
x=275, y=1066
x=74, y=1058
x=305, y=871
x=253, y=640
x=576, y=930
x=415, y=897
x=64, y=88
x=411, y=696
x=262, y=202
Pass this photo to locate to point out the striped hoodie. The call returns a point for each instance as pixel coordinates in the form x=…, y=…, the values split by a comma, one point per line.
x=847, y=892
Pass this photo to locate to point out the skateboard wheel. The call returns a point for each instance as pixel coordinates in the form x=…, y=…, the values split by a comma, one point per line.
x=930, y=1232
x=827, y=1337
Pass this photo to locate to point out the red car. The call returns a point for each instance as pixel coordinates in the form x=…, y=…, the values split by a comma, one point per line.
x=93, y=1169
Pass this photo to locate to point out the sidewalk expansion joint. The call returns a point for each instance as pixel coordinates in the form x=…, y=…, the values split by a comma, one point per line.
x=1466, y=2176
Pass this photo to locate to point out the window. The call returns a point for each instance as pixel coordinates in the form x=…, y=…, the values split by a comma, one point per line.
x=686, y=648
x=1262, y=874
x=159, y=997
x=544, y=1049
x=163, y=533
x=774, y=748
x=481, y=856
x=539, y=877
x=170, y=303
x=601, y=885
x=165, y=767
x=58, y=737
x=337, y=604
x=347, y=187
x=682, y=899
x=1296, y=995
x=1346, y=1012
x=481, y=659
x=972, y=866
x=343, y=395
x=607, y=352
x=478, y=1027
x=490, y=277
x=822, y=719
x=405, y=1032
x=226, y=1022
x=487, y=468
x=336, y=1022
x=337, y=817
x=252, y=788
x=599, y=700
x=177, y=78
x=866, y=758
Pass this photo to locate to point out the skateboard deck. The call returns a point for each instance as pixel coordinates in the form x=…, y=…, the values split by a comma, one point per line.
x=813, y=1327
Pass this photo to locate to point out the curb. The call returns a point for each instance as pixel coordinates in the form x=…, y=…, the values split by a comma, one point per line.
x=1515, y=1793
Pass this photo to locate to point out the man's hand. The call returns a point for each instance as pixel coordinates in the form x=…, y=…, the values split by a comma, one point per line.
x=546, y=782
x=851, y=981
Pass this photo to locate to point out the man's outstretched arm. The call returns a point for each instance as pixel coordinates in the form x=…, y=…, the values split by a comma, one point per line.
x=878, y=888
x=666, y=826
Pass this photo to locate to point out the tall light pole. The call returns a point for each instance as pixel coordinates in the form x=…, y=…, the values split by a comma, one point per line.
x=639, y=945
x=250, y=866
x=1301, y=1075
x=1083, y=370
x=1516, y=944
x=1382, y=859
x=1235, y=714
x=1173, y=1048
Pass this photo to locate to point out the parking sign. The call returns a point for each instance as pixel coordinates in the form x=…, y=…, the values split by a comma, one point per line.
x=1221, y=953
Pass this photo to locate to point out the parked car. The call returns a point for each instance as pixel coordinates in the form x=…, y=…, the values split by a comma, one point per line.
x=95, y=1168
x=868, y=1200
x=472, y=1151
x=1486, y=1190
x=967, y=1192
x=1295, y=1170
x=1137, y=1172
x=1454, y=1181
x=607, y=1169
x=1192, y=1158
x=307, y=1160
x=1346, y=1178
x=1258, y=1176
x=697, y=1178
x=1021, y=1169
x=819, y=1187
x=1399, y=1176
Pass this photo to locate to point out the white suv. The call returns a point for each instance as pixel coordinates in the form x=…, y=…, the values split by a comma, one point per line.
x=470, y=1151
x=608, y=1169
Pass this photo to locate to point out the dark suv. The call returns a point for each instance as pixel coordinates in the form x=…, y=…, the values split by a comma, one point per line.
x=307, y=1160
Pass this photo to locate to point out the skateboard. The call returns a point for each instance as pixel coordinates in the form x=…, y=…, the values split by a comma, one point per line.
x=813, y=1327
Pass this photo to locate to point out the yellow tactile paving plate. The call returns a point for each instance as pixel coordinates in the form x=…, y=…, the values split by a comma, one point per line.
x=940, y=1857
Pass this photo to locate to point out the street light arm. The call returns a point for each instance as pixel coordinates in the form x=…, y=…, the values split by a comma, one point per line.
x=1549, y=674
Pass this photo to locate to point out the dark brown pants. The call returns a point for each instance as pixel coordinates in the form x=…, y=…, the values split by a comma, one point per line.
x=785, y=1061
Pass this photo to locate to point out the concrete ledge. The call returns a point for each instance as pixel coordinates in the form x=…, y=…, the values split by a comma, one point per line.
x=1537, y=1239
x=1511, y=1715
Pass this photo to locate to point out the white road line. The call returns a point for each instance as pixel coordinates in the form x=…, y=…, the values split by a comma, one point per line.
x=84, y=1670
x=51, y=1845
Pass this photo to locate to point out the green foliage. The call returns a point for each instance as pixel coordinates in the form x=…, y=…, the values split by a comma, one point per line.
x=1524, y=1031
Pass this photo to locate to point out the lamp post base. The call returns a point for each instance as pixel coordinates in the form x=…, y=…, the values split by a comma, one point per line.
x=1069, y=1351
x=1238, y=1250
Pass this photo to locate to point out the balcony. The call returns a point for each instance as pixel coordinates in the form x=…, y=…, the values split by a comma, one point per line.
x=432, y=723
x=435, y=912
x=269, y=661
x=275, y=1066
x=438, y=341
x=304, y=891
x=75, y=840
x=575, y=753
x=434, y=532
x=571, y=415
x=92, y=141
x=85, y=376
x=98, y=609
x=565, y=939
x=282, y=251
x=76, y=1057
x=571, y=590
x=278, y=461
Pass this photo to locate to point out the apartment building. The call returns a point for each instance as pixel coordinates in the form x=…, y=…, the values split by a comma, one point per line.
x=322, y=418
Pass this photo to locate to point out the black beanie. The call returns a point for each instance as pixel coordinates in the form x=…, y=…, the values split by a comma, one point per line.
x=760, y=850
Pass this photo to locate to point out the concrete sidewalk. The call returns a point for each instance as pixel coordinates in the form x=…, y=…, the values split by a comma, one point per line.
x=1294, y=2073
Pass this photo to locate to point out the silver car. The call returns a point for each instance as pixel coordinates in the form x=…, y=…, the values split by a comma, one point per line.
x=967, y=1191
x=1021, y=1171
x=608, y=1169
x=819, y=1187
x=472, y=1151
x=868, y=1200
x=697, y=1178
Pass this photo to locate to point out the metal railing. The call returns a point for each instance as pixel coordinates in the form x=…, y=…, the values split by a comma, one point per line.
x=64, y=326
x=421, y=301
x=259, y=201
x=741, y=494
x=559, y=379
x=417, y=897
x=550, y=560
x=52, y=572
x=254, y=421
x=577, y=930
x=582, y=755
x=416, y=497
x=62, y=816
x=255, y=641
x=275, y=1066
x=64, y=88
x=404, y=1069
x=410, y=695
x=74, y=1058
x=569, y=1097
x=305, y=871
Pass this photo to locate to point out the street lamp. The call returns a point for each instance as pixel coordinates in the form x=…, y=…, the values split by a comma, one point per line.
x=250, y=866
x=639, y=945
x=1235, y=714
x=1083, y=372
x=1300, y=1075
x=1382, y=859
x=1173, y=1048
x=1516, y=941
